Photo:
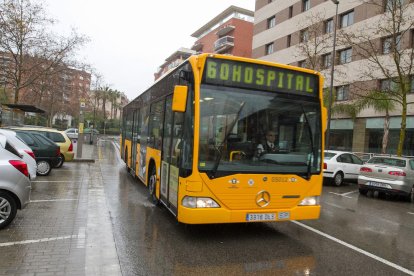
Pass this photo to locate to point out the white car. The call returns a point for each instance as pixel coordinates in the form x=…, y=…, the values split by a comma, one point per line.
x=72, y=133
x=14, y=182
x=340, y=166
x=24, y=150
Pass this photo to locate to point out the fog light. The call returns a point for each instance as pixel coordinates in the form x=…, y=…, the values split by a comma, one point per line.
x=310, y=201
x=199, y=202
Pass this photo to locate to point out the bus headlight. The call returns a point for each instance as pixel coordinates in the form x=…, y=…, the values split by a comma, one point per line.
x=310, y=201
x=199, y=202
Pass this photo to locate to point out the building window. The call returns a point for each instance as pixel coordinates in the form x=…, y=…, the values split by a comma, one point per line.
x=290, y=11
x=342, y=93
x=388, y=85
x=271, y=22
x=345, y=56
x=412, y=84
x=327, y=60
x=289, y=40
x=392, y=5
x=387, y=44
x=347, y=19
x=302, y=63
x=329, y=25
x=304, y=35
x=305, y=5
x=269, y=48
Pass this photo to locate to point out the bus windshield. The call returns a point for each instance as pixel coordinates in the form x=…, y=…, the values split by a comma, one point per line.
x=234, y=124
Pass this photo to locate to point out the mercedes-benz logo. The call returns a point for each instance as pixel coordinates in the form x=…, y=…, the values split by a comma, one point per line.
x=262, y=199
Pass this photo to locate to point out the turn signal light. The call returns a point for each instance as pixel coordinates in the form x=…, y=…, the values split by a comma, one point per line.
x=365, y=169
x=325, y=166
x=397, y=173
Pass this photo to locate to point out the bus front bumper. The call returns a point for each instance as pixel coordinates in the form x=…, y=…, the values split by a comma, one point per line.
x=222, y=215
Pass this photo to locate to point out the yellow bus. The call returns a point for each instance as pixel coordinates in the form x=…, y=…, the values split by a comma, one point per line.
x=195, y=139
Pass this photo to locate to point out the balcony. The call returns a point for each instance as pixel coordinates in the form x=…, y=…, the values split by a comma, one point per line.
x=223, y=43
x=197, y=46
x=225, y=30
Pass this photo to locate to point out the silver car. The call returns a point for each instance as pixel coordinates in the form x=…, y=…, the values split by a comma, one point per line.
x=14, y=182
x=388, y=174
x=24, y=150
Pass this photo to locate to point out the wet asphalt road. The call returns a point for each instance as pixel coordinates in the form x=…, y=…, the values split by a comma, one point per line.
x=108, y=226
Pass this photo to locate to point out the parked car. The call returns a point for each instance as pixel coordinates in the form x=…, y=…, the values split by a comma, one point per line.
x=24, y=150
x=389, y=175
x=47, y=153
x=14, y=182
x=72, y=133
x=91, y=130
x=59, y=137
x=340, y=166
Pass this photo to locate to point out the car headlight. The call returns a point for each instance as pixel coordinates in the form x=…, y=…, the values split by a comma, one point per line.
x=310, y=201
x=199, y=202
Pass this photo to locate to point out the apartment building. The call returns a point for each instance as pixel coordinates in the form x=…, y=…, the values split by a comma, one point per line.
x=173, y=61
x=300, y=33
x=230, y=33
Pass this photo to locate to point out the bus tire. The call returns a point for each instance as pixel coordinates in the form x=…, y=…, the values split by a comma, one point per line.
x=126, y=160
x=152, y=185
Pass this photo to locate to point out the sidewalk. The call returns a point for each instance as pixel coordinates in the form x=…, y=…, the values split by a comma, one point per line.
x=88, y=152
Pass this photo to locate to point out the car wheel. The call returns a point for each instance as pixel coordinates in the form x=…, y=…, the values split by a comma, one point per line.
x=410, y=196
x=43, y=167
x=60, y=161
x=338, y=179
x=8, y=209
x=152, y=184
x=363, y=191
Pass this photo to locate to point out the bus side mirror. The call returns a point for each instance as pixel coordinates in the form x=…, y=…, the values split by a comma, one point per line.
x=324, y=118
x=179, y=98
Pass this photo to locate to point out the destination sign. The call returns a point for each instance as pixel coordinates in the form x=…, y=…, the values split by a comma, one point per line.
x=261, y=77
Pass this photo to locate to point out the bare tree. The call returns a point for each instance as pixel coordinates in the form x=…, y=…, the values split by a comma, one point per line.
x=32, y=49
x=382, y=46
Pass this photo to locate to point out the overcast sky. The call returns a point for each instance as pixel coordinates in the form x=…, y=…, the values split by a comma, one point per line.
x=130, y=39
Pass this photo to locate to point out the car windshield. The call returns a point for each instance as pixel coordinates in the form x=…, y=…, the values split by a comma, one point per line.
x=233, y=122
x=388, y=161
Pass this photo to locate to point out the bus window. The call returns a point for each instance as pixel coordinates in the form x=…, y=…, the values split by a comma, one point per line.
x=156, y=122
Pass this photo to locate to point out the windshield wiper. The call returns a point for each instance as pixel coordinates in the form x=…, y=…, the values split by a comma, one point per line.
x=308, y=172
x=226, y=136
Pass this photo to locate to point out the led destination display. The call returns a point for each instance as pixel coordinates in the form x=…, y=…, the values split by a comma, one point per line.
x=260, y=77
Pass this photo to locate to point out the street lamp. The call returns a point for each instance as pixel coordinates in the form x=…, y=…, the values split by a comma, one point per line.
x=328, y=131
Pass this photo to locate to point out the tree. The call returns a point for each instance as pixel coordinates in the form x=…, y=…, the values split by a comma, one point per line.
x=32, y=50
x=381, y=45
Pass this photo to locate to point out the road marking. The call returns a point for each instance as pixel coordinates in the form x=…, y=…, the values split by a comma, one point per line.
x=366, y=253
x=351, y=192
x=51, y=200
x=340, y=195
x=410, y=213
x=56, y=181
x=81, y=237
x=37, y=241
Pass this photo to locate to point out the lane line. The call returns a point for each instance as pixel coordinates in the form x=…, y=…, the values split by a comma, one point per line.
x=52, y=200
x=410, y=213
x=348, y=193
x=366, y=253
x=37, y=241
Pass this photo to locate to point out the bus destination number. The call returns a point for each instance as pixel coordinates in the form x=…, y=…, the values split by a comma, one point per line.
x=261, y=77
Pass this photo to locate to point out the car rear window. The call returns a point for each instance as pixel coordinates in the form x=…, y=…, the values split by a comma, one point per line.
x=388, y=161
x=329, y=155
x=26, y=138
x=44, y=140
x=56, y=137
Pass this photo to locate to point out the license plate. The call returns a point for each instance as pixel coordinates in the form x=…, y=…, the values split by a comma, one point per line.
x=377, y=184
x=261, y=217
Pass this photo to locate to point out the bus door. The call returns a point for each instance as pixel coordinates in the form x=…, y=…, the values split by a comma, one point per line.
x=143, y=122
x=170, y=159
x=134, y=141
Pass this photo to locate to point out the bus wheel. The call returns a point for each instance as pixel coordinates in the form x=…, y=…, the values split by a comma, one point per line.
x=152, y=184
x=126, y=160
